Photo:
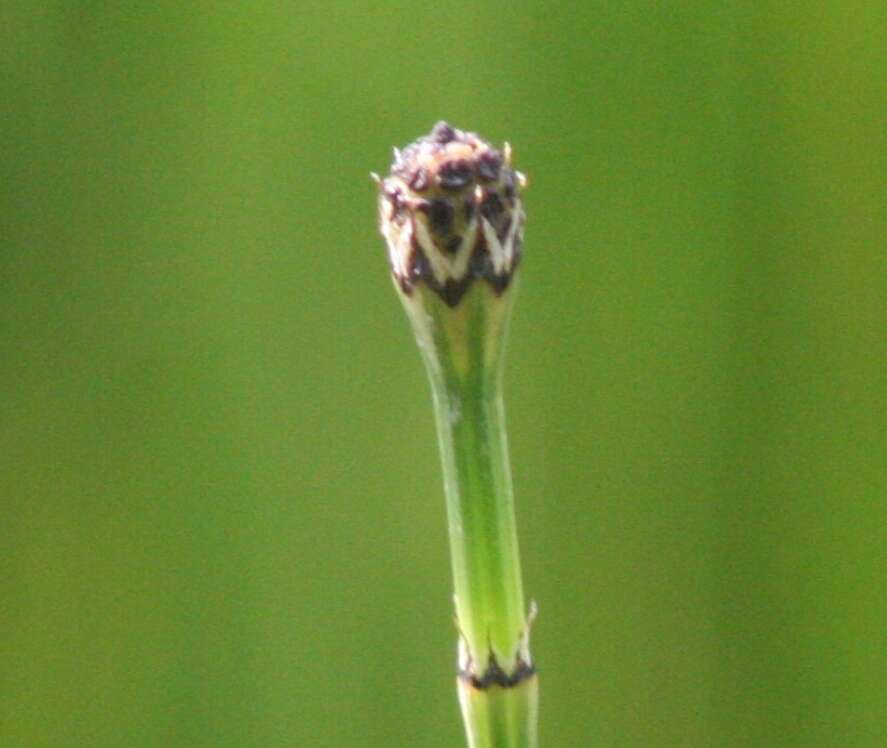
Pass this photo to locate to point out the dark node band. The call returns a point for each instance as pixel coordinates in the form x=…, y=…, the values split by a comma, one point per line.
x=494, y=675
x=452, y=291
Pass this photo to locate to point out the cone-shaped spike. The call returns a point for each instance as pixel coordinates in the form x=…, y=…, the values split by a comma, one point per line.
x=451, y=213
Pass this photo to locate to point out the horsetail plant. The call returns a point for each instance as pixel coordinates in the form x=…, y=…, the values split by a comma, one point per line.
x=452, y=218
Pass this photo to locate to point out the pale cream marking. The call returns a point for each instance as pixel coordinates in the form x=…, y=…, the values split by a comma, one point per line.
x=399, y=247
x=439, y=266
x=442, y=267
x=463, y=254
x=497, y=253
x=516, y=223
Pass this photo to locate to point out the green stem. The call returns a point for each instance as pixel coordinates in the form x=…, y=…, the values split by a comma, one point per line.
x=483, y=536
x=501, y=717
x=463, y=350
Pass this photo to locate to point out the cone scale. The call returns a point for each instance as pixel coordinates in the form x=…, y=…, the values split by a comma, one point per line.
x=452, y=219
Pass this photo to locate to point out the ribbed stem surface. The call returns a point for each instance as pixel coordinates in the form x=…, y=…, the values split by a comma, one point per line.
x=463, y=351
x=483, y=534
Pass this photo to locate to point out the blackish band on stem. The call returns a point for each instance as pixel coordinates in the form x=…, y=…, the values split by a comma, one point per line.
x=494, y=675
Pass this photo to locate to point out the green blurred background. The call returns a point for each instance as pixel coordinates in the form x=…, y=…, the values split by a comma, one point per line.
x=222, y=515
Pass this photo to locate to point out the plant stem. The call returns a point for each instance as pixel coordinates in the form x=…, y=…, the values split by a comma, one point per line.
x=463, y=350
x=499, y=717
x=452, y=218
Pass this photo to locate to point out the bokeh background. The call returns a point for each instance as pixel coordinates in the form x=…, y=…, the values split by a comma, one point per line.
x=221, y=515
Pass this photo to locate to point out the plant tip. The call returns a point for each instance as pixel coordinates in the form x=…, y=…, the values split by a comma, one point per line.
x=451, y=213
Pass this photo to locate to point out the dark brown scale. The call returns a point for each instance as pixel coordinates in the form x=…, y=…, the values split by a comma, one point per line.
x=480, y=265
x=509, y=190
x=488, y=165
x=454, y=175
x=442, y=133
x=498, y=282
x=453, y=291
x=491, y=207
x=452, y=244
x=469, y=208
x=440, y=216
x=503, y=229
